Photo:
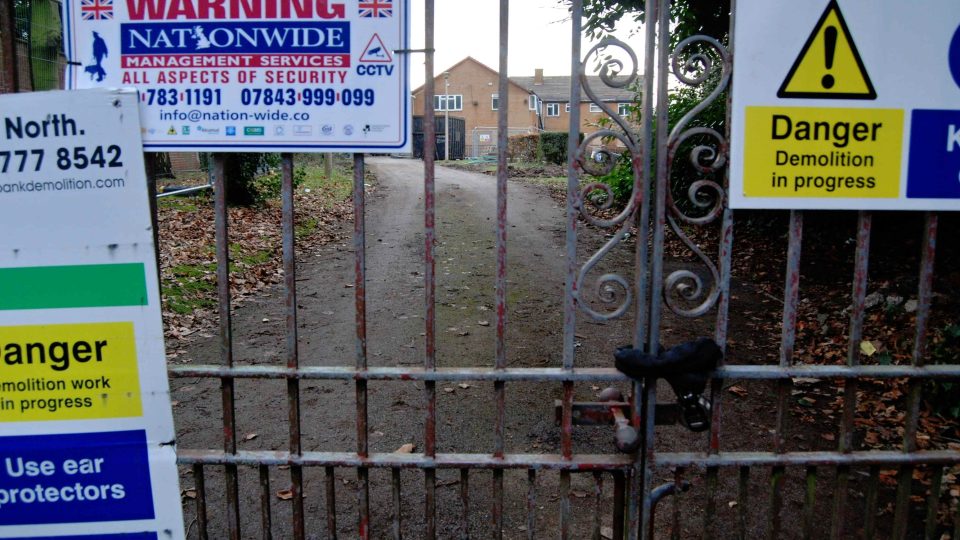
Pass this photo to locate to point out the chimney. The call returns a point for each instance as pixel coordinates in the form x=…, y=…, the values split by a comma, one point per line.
x=538, y=76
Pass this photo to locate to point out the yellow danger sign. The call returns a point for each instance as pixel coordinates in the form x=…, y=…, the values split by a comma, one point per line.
x=829, y=65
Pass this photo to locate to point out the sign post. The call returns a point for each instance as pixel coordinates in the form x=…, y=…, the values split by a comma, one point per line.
x=86, y=428
x=250, y=75
x=842, y=104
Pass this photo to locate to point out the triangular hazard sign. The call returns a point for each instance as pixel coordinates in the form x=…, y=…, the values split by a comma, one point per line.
x=376, y=51
x=829, y=65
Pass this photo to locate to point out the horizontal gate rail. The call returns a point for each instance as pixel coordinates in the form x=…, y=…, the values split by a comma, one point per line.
x=555, y=462
x=892, y=458
x=938, y=371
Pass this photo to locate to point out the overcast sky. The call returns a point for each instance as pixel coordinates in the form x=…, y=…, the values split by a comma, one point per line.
x=539, y=36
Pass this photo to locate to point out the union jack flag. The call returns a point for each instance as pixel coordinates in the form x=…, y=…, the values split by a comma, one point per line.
x=376, y=8
x=96, y=10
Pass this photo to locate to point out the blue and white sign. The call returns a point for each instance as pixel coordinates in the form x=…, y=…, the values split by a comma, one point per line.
x=250, y=75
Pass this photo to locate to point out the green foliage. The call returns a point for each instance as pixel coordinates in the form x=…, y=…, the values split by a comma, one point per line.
x=241, y=171
x=553, y=146
x=687, y=17
x=270, y=184
x=944, y=396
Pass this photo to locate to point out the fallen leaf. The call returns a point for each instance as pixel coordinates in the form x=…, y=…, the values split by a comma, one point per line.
x=579, y=494
x=606, y=532
x=828, y=436
x=285, y=494
x=483, y=323
x=250, y=436
x=867, y=348
x=731, y=504
x=448, y=390
x=190, y=493
x=405, y=449
x=738, y=390
x=464, y=385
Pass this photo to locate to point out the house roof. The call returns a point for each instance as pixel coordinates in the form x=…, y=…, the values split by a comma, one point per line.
x=554, y=88
x=465, y=60
x=557, y=88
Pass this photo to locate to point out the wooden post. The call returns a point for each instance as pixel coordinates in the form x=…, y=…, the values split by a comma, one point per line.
x=328, y=165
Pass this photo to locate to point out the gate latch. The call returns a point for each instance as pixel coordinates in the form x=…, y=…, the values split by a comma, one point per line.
x=686, y=367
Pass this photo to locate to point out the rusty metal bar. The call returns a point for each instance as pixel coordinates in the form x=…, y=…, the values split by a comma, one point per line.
x=500, y=287
x=293, y=355
x=924, y=299
x=743, y=501
x=430, y=320
x=200, y=488
x=809, y=500
x=8, y=47
x=933, y=504
x=619, y=503
x=598, y=504
x=710, y=513
x=531, y=503
x=360, y=303
x=226, y=344
x=788, y=336
x=465, y=503
x=649, y=393
x=565, y=503
x=776, y=500
x=330, y=483
x=397, y=524
x=497, y=513
x=265, y=522
x=570, y=285
x=860, y=274
x=740, y=371
x=870, y=503
x=675, y=530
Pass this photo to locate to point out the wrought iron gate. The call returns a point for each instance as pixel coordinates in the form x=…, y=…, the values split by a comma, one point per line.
x=646, y=294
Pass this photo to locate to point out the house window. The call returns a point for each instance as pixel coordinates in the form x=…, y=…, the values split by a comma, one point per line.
x=595, y=108
x=453, y=102
x=533, y=102
x=623, y=109
x=566, y=107
x=495, y=102
x=553, y=109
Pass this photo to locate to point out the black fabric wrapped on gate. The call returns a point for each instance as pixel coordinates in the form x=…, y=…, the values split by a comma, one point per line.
x=693, y=360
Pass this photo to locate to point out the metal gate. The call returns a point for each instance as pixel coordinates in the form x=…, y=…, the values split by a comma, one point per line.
x=648, y=292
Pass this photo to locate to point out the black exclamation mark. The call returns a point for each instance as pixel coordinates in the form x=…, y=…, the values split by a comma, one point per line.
x=830, y=47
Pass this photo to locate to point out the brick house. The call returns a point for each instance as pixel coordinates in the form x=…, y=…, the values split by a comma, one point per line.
x=469, y=90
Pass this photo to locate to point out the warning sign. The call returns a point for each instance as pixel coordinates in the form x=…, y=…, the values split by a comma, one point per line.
x=829, y=65
x=844, y=104
x=376, y=51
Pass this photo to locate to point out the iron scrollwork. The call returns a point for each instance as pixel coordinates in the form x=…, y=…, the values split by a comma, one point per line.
x=611, y=289
x=705, y=197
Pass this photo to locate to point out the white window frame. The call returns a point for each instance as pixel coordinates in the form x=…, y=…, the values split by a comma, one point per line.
x=455, y=99
x=594, y=108
x=552, y=109
x=623, y=109
x=533, y=102
x=566, y=107
x=495, y=102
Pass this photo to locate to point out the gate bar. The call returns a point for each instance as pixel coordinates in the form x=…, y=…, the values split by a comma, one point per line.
x=226, y=344
x=429, y=285
x=501, y=279
x=360, y=302
x=924, y=298
x=293, y=356
x=850, y=387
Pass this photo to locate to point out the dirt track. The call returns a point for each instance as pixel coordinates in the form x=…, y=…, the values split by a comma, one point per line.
x=466, y=210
